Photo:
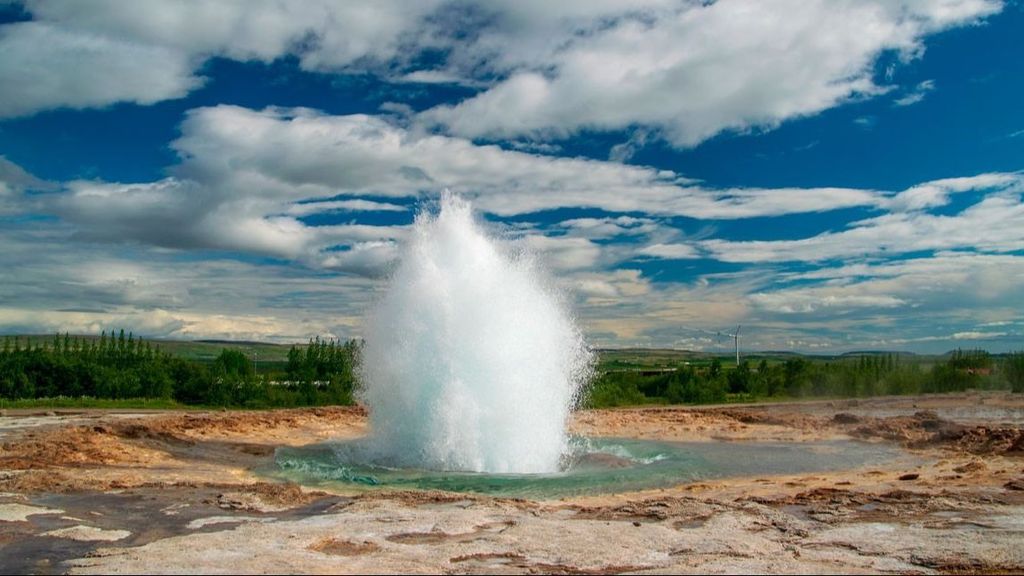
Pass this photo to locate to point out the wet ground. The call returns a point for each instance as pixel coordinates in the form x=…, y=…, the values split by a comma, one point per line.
x=53, y=530
x=91, y=492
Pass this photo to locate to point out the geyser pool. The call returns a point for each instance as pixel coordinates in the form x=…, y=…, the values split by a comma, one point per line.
x=471, y=367
x=592, y=466
x=472, y=361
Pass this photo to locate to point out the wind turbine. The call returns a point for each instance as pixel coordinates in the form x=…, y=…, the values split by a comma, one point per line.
x=736, y=343
x=735, y=338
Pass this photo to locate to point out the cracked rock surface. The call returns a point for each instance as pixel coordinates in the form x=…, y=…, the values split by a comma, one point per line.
x=173, y=492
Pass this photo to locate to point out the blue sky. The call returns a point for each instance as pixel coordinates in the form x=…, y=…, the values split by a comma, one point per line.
x=832, y=175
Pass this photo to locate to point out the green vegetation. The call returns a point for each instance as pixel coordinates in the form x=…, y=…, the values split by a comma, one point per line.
x=703, y=381
x=267, y=358
x=83, y=371
x=1013, y=368
x=81, y=402
x=125, y=372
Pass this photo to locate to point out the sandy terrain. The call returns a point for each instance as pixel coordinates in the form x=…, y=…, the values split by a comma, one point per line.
x=94, y=491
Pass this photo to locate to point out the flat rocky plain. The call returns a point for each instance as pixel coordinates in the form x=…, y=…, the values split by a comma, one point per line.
x=182, y=492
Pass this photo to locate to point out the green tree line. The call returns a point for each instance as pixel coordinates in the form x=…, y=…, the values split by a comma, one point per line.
x=323, y=372
x=125, y=367
x=868, y=375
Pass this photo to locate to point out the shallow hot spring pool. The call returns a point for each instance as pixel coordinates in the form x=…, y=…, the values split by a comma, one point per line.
x=594, y=466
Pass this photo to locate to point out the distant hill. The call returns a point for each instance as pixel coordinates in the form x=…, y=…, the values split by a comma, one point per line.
x=773, y=354
x=877, y=353
x=235, y=342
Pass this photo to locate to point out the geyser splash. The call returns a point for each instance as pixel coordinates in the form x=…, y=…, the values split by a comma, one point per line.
x=472, y=361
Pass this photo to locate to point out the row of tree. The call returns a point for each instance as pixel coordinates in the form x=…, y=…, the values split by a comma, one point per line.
x=324, y=372
x=122, y=367
x=867, y=375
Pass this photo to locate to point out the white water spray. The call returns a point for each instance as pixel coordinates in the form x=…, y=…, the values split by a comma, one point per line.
x=472, y=361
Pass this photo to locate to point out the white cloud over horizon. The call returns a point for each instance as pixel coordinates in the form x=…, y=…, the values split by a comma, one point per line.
x=161, y=293
x=280, y=223
x=994, y=224
x=63, y=284
x=247, y=178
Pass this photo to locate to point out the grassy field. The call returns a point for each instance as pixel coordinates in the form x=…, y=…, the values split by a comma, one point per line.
x=622, y=359
x=101, y=403
x=664, y=357
x=647, y=358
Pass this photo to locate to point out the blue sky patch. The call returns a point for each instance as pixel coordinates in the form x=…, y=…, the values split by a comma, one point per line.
x=683, y=169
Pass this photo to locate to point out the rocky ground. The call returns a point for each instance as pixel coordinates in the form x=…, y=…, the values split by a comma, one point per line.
x=95, y=491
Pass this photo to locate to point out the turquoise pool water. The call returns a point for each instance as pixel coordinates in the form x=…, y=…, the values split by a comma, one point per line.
x=596, y=466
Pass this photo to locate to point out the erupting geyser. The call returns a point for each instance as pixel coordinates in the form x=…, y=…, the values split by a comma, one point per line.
x=472, y=361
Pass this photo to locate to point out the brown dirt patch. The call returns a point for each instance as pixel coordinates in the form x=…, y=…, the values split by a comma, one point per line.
x=263, y=496
x=654, y=509
x=71, y=447
x=925, y=428
x=337, y=547
x=514, y=560
x=159, y=440
x=487, y=556
x=251, y=423
x=956, y=564
x=432, y=537
x=440, y=536
x=761, y=417
x=437, y=497
x=972, y=466
x=546, y=568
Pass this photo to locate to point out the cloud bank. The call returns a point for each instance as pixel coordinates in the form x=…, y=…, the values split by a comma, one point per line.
x=279, y=222
x=684, y=71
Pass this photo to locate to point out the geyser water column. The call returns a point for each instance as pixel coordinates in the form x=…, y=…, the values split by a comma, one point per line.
x=472, y=361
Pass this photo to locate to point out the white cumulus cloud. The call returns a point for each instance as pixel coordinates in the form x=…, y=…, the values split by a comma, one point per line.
x=695, y=69
x=993, y=224
x=670, y=251
x=44, y=66
x=684, y=71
